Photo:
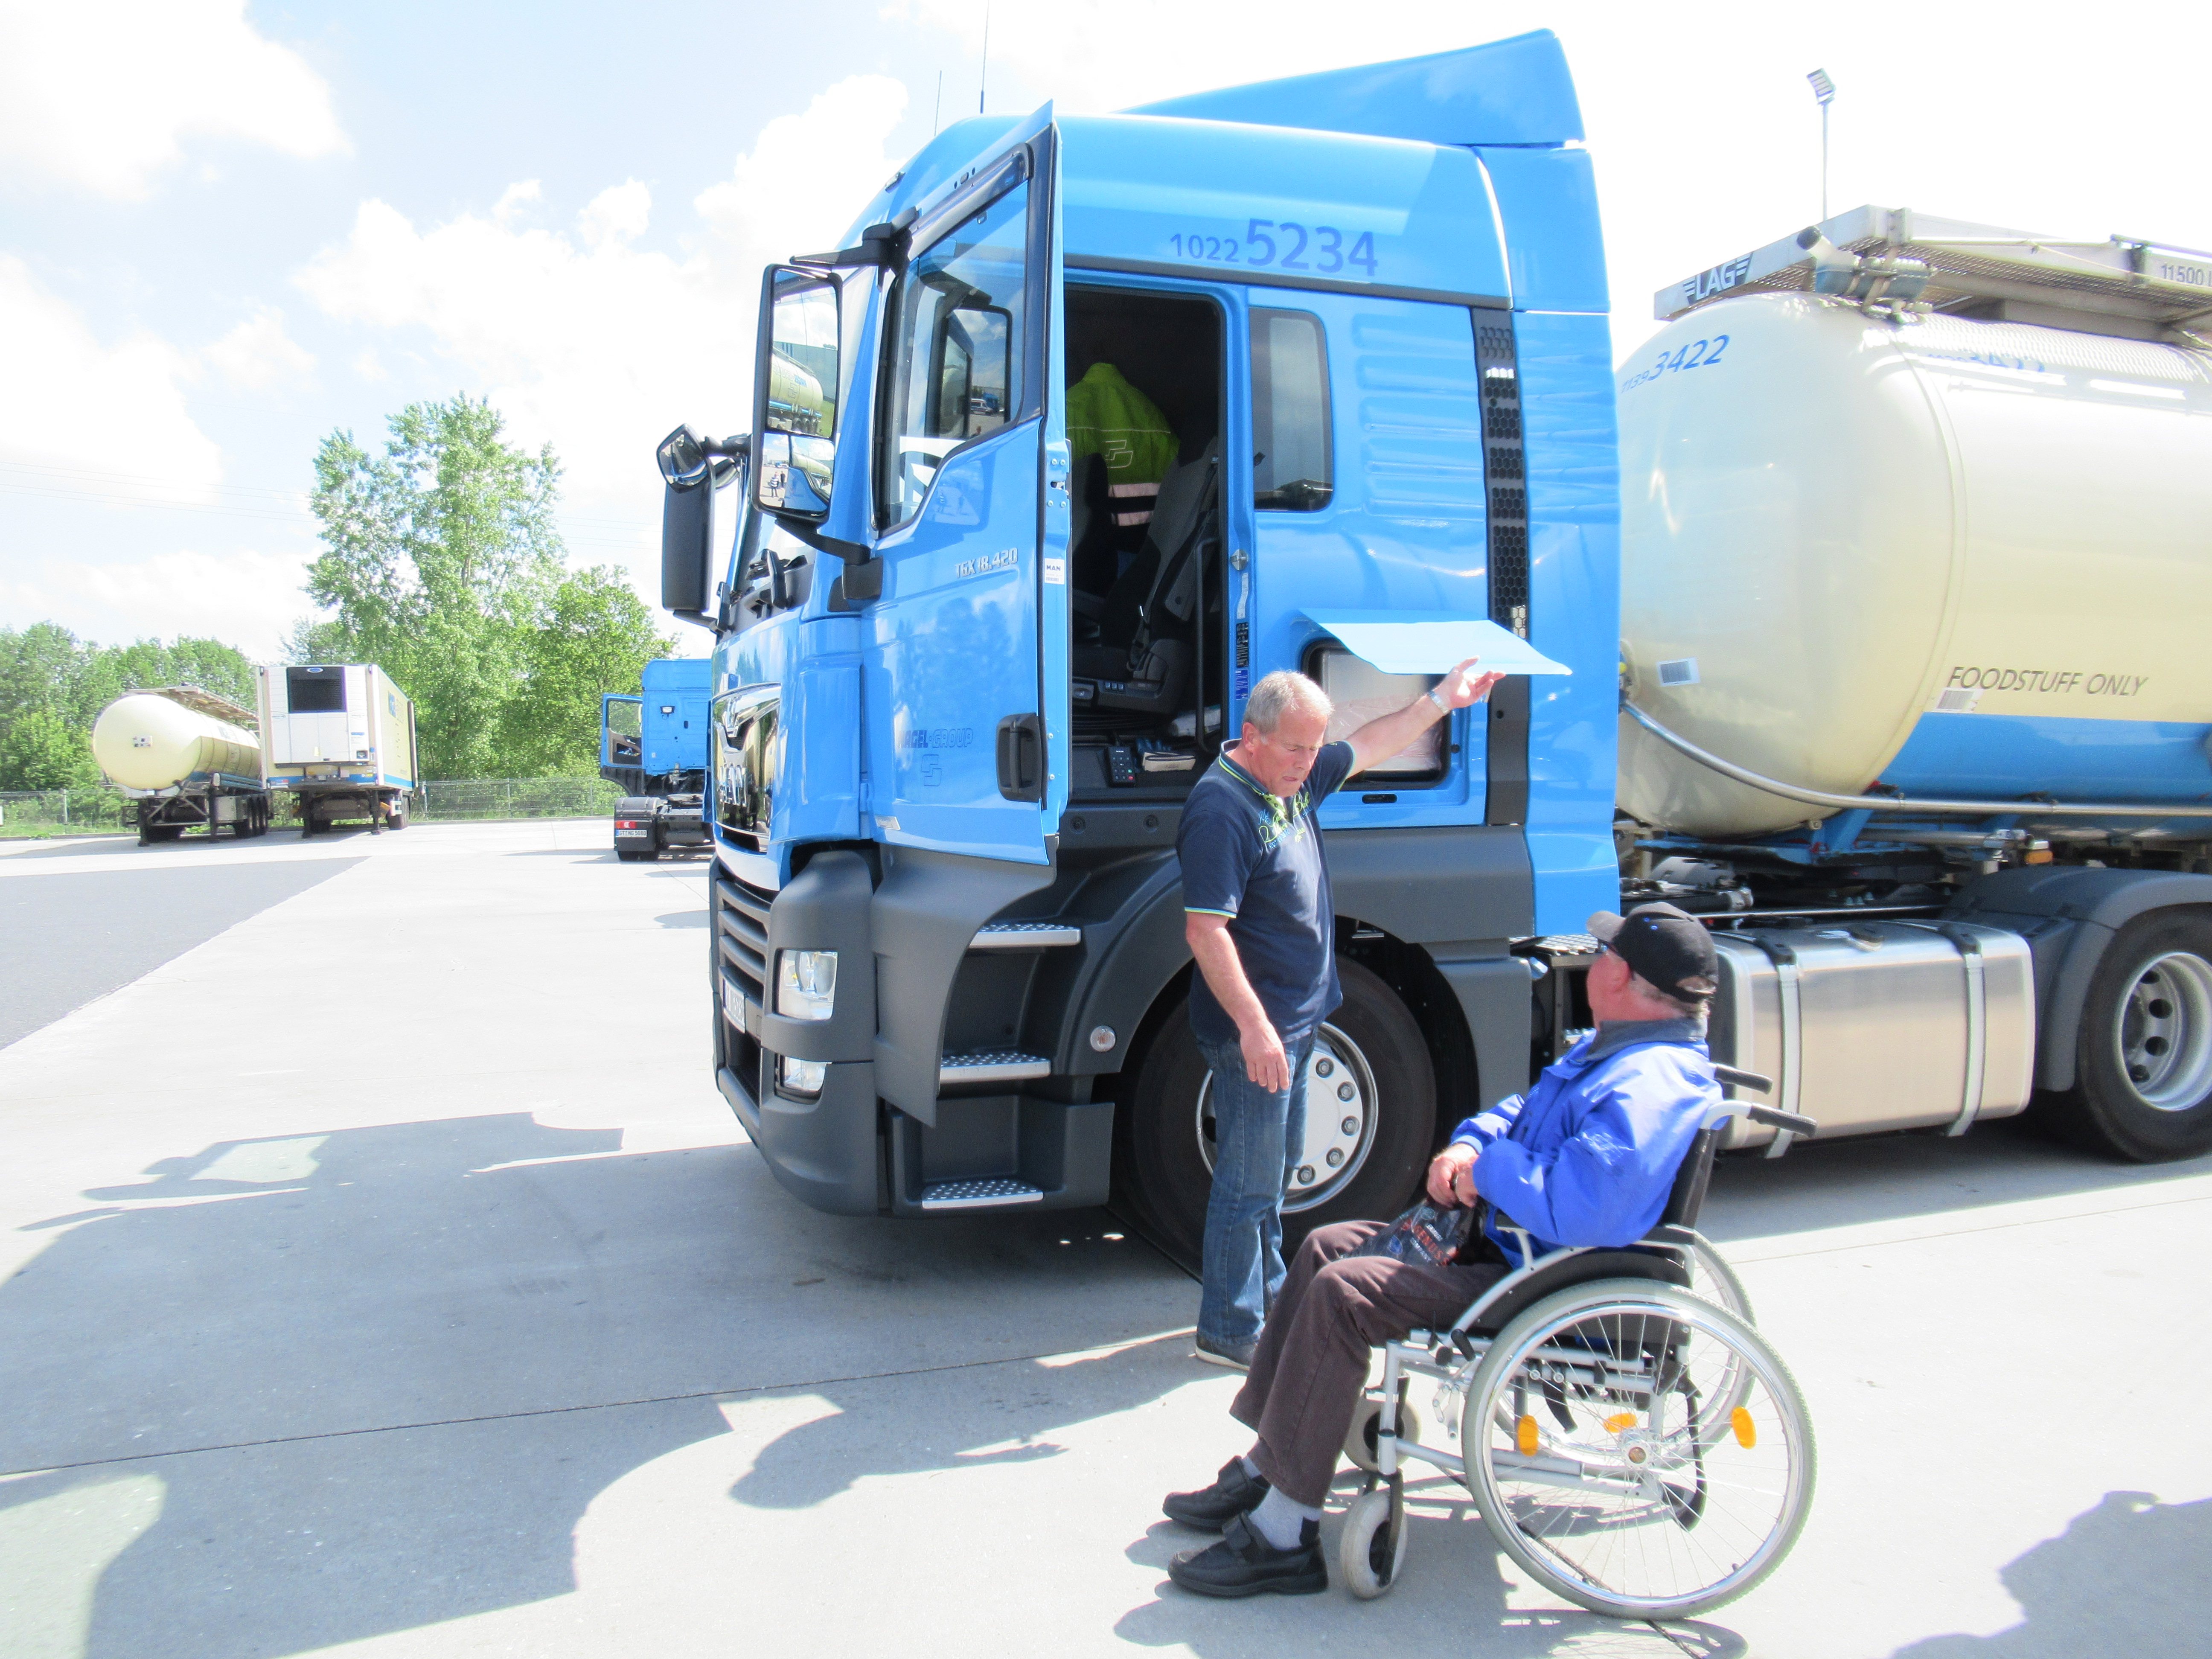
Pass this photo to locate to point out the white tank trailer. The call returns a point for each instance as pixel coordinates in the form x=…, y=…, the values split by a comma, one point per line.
x=188, y=759
x=340, y=737
x=1917, y=557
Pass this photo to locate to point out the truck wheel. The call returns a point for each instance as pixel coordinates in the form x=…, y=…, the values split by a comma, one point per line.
x=2142, y=1082
x=1371, y=1122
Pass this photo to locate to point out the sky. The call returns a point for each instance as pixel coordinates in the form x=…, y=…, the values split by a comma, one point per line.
x=228, y=230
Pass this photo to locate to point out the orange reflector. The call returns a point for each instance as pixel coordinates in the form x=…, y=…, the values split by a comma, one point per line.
x=1624, y=1421
x=1524, y=1435
x=1747, y=1432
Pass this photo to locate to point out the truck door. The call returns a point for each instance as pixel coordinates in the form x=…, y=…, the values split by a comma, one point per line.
x=964, y=664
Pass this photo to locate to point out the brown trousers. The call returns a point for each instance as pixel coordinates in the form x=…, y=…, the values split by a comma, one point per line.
x=1311, y=1362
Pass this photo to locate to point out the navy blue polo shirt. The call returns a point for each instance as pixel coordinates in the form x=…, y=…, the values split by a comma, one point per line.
x=1256, y=858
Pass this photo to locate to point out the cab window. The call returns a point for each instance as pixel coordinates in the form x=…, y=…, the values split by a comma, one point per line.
x=1290, y=413
x=954, y=363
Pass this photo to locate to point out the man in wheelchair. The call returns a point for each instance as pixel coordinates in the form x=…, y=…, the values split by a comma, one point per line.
x=1586, y=1158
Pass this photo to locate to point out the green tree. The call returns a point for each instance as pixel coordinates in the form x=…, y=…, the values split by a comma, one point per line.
x=595, y=635
x=441, y=563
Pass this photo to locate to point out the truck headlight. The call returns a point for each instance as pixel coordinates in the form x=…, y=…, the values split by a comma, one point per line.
x=806, y=983
x=801, y=1079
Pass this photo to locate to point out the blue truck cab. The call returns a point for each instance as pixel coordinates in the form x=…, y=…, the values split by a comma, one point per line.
x=963, y=679
x=653, y=744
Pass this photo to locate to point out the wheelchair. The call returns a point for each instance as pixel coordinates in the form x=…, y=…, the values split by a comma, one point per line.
x=1628, y=1437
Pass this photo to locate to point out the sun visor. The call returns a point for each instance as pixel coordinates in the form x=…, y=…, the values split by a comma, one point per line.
x=1431, y=642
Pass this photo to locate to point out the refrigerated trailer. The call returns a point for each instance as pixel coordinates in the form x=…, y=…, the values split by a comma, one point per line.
x=340, y=737
x=963, y=680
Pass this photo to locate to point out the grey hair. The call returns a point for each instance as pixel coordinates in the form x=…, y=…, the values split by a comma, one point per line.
x=1280, y=691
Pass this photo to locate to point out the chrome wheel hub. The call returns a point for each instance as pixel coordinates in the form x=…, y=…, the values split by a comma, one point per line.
x=1340, y=1119
x=2165, y=1032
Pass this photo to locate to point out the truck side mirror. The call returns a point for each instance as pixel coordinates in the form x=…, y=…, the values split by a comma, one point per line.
x=697, y=469
x=795, y=384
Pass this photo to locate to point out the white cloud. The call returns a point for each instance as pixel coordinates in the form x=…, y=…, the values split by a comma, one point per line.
x=257, y=354
x=246, y=599
x=100, y=97
x=586, y=338
x=71, y=397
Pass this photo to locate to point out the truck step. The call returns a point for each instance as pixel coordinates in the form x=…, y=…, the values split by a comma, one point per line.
x=992, y=1193
x=1025, y=936
x=996, y=1065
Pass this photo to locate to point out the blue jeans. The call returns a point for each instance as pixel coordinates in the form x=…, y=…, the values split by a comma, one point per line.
x=1257, y=1136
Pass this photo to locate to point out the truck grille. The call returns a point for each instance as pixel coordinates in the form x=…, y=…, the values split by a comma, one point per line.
x=741, y=933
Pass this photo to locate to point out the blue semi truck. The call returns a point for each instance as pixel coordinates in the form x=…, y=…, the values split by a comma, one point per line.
x=967, y=668
x=653, y=744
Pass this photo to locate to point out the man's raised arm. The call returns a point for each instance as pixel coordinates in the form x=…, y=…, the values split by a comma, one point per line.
x=1384, y=737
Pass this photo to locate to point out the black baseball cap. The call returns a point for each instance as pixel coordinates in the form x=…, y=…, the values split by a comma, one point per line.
x=1667, y=948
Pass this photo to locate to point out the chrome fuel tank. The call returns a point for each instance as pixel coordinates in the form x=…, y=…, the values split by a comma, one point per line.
x=1876, y=1025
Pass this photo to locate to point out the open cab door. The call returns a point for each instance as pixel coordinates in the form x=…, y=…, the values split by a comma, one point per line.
x=965, y=651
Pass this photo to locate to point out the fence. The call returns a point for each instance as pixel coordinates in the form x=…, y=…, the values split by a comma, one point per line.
x=109, y=811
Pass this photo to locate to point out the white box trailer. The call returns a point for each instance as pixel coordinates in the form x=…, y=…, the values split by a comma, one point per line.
x=341, y=738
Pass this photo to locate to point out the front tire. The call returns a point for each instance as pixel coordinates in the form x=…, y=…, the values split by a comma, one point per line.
x=1370, y=1046
x=2142, y=1068
x=1368, y=1551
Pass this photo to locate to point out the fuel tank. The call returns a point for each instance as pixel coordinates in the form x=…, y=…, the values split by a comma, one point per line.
x=145, y=741
x=1948, y=556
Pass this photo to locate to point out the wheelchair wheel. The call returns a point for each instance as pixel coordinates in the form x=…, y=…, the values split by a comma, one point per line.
x=1367, y=1420
x=1712, y=1277
x=1637, y=1450
x=1369, y=1551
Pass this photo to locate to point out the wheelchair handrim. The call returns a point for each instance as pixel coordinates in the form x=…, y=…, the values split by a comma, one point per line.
x=1496, y=1489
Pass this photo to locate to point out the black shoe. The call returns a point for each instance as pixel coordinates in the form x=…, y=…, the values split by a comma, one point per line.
x=1232, y=1493
x=1237, y=1356
x=1245, y=1564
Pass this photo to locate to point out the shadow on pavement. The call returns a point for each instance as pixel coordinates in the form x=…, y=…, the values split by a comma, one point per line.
x=361, y=1381
x=683, y=919
x=2125, y=1577
x=1892, y=1177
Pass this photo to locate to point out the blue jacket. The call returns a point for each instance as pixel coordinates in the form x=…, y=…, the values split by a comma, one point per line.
x=1588, y=1155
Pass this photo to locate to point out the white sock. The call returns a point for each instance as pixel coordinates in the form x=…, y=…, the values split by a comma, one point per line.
x=1281, y=1520
x=1251, y=1469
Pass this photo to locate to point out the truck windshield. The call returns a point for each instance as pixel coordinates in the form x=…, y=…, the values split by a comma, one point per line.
x=954, y=352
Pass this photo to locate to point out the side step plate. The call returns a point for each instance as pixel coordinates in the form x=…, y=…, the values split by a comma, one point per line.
x=998, y=1066
x=991, y=1193
x=1025, y=936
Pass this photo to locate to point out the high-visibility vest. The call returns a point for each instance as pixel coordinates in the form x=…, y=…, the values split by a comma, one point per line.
x=1108, y=416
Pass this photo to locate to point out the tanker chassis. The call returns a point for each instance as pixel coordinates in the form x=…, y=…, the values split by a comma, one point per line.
x=186, y=757
x=965, y=673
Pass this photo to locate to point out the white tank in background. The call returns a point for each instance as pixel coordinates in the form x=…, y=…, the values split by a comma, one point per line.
x=1958, y=557
x=149, y=741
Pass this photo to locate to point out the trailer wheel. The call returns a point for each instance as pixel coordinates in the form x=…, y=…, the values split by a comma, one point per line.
x=1369, y=1070
x=2143, y=1083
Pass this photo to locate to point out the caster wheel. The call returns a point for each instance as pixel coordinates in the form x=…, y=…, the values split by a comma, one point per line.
x=1366, y=1417
x=1368, y=1553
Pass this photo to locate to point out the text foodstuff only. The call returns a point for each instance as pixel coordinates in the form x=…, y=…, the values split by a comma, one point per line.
x=2058, y=680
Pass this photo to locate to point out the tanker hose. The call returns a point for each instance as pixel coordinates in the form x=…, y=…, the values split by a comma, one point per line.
x=1980, y=809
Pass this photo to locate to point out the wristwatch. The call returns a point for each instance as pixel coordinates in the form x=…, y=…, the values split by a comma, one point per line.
x=1442, y=708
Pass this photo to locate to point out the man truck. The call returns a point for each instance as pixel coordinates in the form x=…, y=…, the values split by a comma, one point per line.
x=653, y=745
x=1885, y=671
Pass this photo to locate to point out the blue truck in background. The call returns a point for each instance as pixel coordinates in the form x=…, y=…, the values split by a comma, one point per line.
x=965, y=673
x=653, y=744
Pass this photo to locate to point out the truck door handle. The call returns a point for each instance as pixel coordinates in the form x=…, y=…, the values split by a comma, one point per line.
x=1021, y=757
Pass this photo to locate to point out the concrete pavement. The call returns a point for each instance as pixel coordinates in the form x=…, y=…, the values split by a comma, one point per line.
x=383, y=1274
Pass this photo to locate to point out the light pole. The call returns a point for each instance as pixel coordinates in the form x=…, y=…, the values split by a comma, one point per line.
x=1825, y=90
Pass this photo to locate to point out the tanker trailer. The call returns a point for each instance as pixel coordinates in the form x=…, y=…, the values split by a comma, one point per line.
x=1916, y=564
x=187, y=758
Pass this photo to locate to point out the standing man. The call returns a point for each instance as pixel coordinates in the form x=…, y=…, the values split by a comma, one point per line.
x=1261, y=924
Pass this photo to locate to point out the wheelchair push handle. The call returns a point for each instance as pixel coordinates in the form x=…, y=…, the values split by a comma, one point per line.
x=1773, y=1116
